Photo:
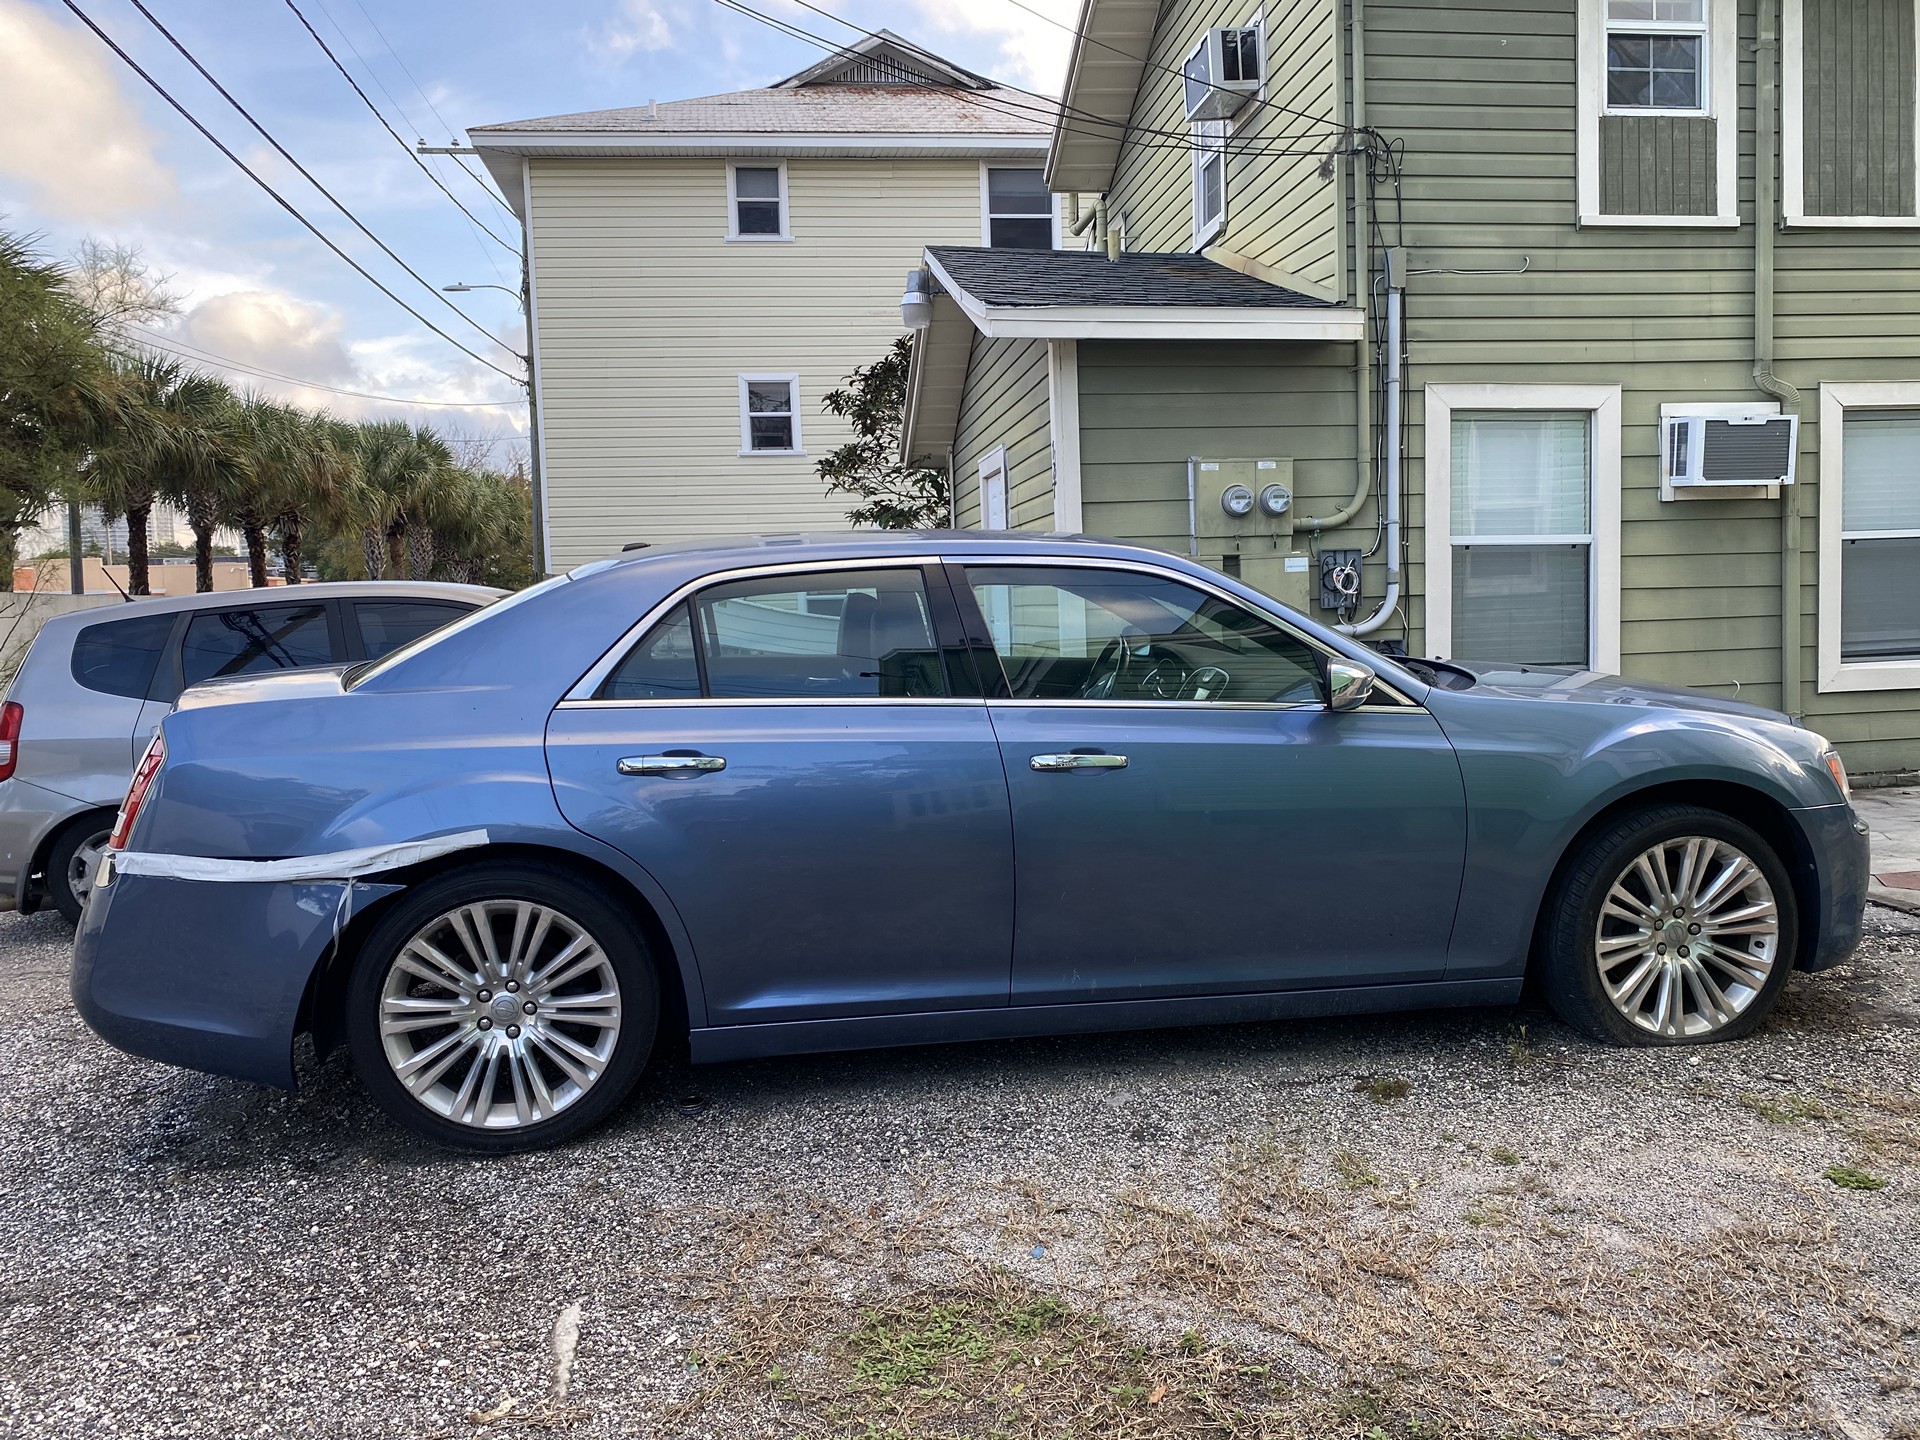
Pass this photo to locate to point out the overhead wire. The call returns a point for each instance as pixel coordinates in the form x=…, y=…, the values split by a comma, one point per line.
x=184, y=350
x=412, y=154
x=276, y=196
x=307, y=174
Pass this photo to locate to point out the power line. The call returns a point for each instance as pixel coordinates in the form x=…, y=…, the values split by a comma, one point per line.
x=278, y=198
x=412, y=154
x=183, y=350
x=287, y=155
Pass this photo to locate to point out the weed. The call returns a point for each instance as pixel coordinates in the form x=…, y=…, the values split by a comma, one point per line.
x=1520, y=1051
x=1352, y=1171
x=1502, y=1155
x=1788, y=1110
x=1383, y=1089
x=1849, y=1177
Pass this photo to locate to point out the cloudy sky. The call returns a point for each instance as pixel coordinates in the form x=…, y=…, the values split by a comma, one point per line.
x=88, y=150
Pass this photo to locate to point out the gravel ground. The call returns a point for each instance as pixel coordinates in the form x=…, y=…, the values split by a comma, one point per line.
x=1468, y=1223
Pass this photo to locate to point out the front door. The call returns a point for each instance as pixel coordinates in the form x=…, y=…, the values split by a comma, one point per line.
x=815, y=785
x=1189, y=816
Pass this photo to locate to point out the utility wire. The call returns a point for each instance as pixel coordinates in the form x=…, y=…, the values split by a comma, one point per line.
x=287, y=155
x=412, y=154
x=182, y=350
x=280, y=199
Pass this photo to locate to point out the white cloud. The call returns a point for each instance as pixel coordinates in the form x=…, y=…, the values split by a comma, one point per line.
x=271, y=331
x=1033, y=53
x=640, y=26
x=68, y=132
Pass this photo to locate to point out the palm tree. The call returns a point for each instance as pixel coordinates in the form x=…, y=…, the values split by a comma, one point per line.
x=272, y=444
x=399, y=470
x=130, y=447
x=319, y=486
x=204, y=469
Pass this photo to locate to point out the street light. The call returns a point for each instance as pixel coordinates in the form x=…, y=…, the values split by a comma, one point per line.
x=505, y=290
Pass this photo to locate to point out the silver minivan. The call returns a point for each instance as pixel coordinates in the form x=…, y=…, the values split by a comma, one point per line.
x=95, y=683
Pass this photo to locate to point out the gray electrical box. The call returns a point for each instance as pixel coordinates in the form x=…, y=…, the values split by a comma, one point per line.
x=1242, y=515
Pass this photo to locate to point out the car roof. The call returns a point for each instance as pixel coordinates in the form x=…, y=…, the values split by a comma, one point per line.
x=724, y=552
x=278, y=594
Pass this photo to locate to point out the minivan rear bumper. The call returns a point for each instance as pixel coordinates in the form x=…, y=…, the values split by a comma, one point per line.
x=208, y=975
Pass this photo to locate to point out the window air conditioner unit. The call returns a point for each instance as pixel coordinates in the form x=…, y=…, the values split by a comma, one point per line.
x=1222, y=72
x=1720, y=449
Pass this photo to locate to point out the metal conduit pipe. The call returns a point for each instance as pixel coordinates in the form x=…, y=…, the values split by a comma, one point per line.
x=1767, y=64
x=1396, y=345
x=1362, y=291
x=1095, y=219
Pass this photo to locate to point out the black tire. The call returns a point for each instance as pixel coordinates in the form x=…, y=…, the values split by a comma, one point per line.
x=90, y=830
x=1570, y=967
x=586, y=906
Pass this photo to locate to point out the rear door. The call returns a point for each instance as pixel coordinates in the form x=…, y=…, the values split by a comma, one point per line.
x=806, y=768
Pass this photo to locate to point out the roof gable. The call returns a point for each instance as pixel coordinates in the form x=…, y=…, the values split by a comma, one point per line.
x=884, y=58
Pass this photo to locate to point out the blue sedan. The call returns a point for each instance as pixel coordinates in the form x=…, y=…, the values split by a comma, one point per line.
x=818, y=793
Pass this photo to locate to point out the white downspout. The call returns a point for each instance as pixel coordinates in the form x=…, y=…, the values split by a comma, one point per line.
x=1390, y=602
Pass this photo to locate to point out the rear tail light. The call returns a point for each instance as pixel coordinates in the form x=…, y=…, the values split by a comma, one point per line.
x=10, y=717
x=150, y=764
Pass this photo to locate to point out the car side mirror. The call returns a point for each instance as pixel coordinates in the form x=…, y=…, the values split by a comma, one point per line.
x=1349, y=684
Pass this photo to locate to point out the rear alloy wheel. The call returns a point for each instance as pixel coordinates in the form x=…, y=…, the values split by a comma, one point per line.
x=72, y=863
x=502, y=1009
x=1673, y=927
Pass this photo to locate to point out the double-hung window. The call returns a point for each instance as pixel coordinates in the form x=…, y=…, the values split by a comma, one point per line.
x=757, y=202
x=1657, y=56
x=1209, y=180
x=770, y=415
x=1870, y=536
x=1019, y=209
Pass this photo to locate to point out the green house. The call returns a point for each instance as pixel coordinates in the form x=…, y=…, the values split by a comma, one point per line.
x=1580, y=333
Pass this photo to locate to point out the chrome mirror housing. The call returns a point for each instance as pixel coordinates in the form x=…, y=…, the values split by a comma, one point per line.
x=1349, y=684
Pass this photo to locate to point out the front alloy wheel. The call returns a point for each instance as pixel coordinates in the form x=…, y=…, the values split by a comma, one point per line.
x=72, y=864
x=502, y=1008
x=1676, y=926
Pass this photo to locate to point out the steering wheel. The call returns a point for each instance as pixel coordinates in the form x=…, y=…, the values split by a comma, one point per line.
x=1116, y=661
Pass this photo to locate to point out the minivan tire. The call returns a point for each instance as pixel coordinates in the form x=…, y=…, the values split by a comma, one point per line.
x=571, y=902
x=88, y=831
x=1572, y=976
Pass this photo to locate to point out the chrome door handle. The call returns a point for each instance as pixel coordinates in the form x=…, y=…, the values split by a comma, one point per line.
x=671, y=764
x=1078, y=762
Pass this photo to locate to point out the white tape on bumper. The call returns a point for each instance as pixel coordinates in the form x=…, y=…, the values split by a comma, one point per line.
x=340, y=865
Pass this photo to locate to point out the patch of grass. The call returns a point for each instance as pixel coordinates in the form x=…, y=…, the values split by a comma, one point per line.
x=1383, y=1089
x=1788, y=1110
x=1850, y=1177
x=1520, y=1051
x=1502, y=1155
x=1352, y=1171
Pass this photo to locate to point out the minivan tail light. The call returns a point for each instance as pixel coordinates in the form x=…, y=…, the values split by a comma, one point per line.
x=150, y=764
x=10, y=717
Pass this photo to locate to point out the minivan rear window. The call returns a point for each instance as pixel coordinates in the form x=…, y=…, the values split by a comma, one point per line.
x=118, y=657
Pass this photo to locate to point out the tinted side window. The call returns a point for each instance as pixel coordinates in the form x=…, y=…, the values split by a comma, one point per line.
x=386, y=625
x=661, y=667
x=854, y=634
x=244, y=642
x=1065, y=634
x=118, y=658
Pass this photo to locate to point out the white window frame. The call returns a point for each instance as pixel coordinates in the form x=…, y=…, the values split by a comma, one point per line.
x=1722, y=81
x=1793, y=132
x=1209, y=139
x=1837, y=675
x=993, y=490
x=1603, y=514
x=1256, y=103
x=792, y=381
x=734, y=237
x=986, y=203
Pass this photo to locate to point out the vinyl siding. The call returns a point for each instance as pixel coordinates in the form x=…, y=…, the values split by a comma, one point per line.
x=646, y=317
x=1007, y=403
x=1658, y=165
x=1858, y=80
x=1281, y=212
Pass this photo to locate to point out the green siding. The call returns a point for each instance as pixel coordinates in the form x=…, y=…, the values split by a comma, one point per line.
x=1859, y=96
x=1006, y=403
x=1147, y=408
x=1281, y=212
x=1657, y=165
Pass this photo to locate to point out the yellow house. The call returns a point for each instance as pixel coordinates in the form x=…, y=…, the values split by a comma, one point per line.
x=702, y=272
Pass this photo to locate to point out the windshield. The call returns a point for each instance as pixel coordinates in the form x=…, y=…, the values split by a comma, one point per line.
x=361, y=673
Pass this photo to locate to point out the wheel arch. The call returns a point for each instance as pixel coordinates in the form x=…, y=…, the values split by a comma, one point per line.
x=322, y=1010
x=1751, y=806
x=33, y=893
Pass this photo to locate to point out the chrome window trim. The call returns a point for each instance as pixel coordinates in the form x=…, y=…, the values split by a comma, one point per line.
x=583, y=696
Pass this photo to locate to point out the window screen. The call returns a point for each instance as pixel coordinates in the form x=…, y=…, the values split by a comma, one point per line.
x=1880, y=536
x=1522, y=536
x=245, y=642
x=118, y=658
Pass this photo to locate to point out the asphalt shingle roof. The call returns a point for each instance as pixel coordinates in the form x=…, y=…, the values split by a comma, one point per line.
x=1079, y=277
x=815, y=109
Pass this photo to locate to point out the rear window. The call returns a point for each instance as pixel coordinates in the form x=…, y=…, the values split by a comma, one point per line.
x=119, y=657
x=386, y=625
x=245, y=642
